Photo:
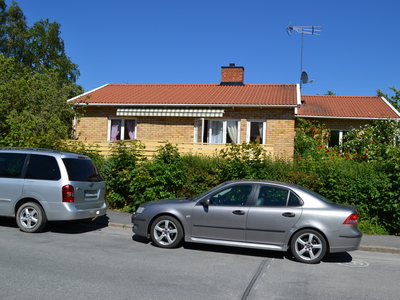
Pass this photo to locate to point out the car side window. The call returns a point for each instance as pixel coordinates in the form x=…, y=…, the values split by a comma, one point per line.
x=11, y=164
x=43, y=167
x=294, y=200
x=272, y=196
x=233, y=195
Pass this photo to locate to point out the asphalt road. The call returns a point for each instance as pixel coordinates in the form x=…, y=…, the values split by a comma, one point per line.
x=93, y=261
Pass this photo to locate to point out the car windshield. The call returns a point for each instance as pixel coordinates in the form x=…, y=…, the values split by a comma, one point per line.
x=81, y=170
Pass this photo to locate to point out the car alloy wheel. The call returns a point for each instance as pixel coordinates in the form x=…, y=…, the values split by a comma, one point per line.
x=308, y=246
x=166, y=232
x=31, y=217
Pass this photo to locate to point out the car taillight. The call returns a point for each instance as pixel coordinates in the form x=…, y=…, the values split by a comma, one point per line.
x=68, y=194
x=351, y=220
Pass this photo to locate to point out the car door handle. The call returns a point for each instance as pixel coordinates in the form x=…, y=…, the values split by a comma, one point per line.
x=289, y=214
x=238, y=212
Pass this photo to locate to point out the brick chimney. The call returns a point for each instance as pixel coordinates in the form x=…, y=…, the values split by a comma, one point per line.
x=232, y=75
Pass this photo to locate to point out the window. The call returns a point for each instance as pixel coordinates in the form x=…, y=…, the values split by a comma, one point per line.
x=256, y=131
x=11, y=164
x=293, y=200
x=233, y=195
x=336, y=137
x=217, y=131
x=43, y=167
x=121, y=129
x=81, y=170
x=272, y=196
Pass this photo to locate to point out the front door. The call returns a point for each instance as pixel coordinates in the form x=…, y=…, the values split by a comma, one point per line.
x=225, y=216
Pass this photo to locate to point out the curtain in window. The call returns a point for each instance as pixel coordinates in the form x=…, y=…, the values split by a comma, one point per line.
x=232, y=131
x=256, y=132
x=115, y=129
x=216, y=132
x=130, y=126
x=260, y=130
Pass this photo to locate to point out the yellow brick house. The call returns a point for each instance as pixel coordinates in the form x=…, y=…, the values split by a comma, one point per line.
x=227, y=112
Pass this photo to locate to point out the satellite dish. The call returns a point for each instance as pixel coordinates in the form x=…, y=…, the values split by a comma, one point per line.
x=304, y=77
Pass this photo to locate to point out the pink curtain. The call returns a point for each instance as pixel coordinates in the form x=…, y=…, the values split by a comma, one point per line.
x=130, y=126
x=115, y=129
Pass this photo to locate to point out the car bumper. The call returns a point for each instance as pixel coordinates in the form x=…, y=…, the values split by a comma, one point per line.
x=140, y=224
x=347, y=240
x=71, y=211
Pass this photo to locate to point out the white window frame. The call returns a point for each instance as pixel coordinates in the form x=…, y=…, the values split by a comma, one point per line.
x=122, y=133
x=341, y=131
x=264, y=130
x=200, y=134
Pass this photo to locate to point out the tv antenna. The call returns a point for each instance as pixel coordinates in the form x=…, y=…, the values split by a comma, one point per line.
x=303, y=30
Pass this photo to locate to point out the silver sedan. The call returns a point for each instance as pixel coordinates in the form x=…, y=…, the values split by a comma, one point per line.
x=253, y=214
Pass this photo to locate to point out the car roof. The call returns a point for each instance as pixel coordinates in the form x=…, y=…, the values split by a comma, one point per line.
x=38, y=151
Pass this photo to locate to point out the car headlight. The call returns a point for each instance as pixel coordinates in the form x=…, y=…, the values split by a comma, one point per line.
x=140, y=210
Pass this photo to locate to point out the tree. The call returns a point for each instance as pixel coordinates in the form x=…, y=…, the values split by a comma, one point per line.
x=330, y=93
x=13, y=30
x=40, y=47
x=394, y=100
x=34, y=110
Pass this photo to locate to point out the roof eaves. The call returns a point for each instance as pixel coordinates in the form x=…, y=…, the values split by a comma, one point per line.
x=84, y=94
x=391, y=106
x=186, y=105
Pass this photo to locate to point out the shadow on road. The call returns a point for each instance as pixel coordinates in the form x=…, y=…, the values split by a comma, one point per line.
x=343, y=257
x=67, y=227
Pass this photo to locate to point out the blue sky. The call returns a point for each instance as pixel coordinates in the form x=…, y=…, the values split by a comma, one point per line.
x=187, y=41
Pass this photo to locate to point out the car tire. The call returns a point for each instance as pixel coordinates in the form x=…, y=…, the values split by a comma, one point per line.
x=166, y=232
x=31, y=217
x=308, y=246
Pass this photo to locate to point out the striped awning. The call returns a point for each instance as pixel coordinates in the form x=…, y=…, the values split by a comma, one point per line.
x=170, y=112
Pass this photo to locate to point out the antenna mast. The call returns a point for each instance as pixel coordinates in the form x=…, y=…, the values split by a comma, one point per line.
x=303, y=30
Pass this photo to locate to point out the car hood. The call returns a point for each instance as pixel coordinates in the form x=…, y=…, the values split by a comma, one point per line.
x=172, y=200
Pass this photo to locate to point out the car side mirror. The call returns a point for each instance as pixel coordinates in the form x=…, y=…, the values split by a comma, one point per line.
x=205, y=202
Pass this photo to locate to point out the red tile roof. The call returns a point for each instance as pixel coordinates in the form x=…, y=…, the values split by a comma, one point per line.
x=193, y=94
x=346, y=107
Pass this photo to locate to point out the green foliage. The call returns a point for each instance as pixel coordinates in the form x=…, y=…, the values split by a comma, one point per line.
x=394, y=100
x=202, y=172
x=373, y=142
x=242, y=161
x=38, y=48
x=309, y=136
x=33, y=107
x=121, y=171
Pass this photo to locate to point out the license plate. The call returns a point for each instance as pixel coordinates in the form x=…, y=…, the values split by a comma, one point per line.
x=90, y=194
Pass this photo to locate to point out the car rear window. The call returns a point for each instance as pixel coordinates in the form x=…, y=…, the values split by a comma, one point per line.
x=81, y=170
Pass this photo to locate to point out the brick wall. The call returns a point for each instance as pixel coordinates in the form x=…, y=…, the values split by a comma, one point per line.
x=280, y=126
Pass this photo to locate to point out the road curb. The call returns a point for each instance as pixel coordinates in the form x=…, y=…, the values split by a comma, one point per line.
x=120, y=225
x=380, y=249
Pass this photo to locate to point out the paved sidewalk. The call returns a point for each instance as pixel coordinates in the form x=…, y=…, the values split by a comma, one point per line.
x=376, y=243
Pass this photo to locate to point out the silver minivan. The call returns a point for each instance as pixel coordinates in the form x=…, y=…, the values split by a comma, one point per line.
x=40, y=185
